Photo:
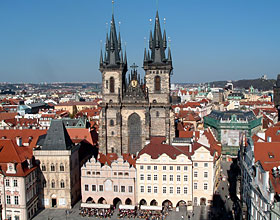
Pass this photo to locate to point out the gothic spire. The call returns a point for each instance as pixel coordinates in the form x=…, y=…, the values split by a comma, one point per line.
x=157, y=45
x=145, y=56
x=169, y=59
x=113, y=55
x=101, y=58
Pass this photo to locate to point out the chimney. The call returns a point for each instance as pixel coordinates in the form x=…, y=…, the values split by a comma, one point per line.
x=19, y=141
x=268, y=139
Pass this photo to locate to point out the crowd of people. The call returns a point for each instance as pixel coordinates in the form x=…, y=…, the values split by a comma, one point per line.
x=127, y=213
x=94, y=212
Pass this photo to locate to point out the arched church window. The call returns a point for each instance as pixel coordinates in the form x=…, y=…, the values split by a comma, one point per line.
x=157, y=83
x=111, y=122
x=112, y=85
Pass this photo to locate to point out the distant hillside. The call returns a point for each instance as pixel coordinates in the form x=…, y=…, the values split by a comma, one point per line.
x=260, y=84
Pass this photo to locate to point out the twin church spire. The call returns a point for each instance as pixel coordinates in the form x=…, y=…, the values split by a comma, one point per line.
x=154, y=55
x=157, y=46
x=113, y=56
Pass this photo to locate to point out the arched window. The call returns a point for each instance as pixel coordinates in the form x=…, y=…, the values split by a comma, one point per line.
x=62, y=184
x=53, y=184
x=112, y=85
x=111, y=122
x=61, y=167
x=43, y=167
x=157, y=83
x=52, y=167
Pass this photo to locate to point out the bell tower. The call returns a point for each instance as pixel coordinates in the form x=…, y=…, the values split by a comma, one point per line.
x=158, y=66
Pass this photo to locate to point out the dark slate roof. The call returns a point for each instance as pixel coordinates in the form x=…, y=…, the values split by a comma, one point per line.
x=227, y=115
x=36, y=105
x=157, y=45
x=57, y=137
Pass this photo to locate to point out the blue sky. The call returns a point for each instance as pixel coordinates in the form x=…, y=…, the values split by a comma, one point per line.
x=59, y=40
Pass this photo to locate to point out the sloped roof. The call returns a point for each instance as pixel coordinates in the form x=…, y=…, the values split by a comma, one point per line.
x=57, y=137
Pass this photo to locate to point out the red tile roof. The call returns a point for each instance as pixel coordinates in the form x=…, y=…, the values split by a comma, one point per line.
x=268, y=154
x=11, y=153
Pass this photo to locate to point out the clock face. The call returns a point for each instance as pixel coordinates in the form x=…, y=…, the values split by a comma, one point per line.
x=134, y=83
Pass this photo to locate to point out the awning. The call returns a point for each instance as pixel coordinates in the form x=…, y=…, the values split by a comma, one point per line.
x=95, y=206
x=146, y=207
x=126, y=207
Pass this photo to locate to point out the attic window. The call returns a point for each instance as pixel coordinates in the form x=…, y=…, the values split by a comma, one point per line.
x=278, y=132
x=271, y=155
x=4, y=137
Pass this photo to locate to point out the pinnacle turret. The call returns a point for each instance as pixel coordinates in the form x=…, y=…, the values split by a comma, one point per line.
x=157, y=46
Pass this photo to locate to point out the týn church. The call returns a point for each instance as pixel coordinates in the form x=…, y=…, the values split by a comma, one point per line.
x=135, y=109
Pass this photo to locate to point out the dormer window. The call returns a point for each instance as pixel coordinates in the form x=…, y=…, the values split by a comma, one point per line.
x=11, y=168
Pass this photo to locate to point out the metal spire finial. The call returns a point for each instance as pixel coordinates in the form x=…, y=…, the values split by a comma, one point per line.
x=113, y=6
x=157, y=4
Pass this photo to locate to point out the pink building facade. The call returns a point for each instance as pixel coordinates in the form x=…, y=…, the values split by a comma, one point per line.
x=109, y=180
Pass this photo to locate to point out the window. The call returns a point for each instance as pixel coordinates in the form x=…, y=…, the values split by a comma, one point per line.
x=16, y=200
x=86, y=187
x=178, y=190
x=16, y=217
x=62, y=184
x=157, y=114
x=155, y=167
x=195, y=185
x=149, y=168
x=155, y=189
x=157, y=83
x=195, y=174
x=115, y=188
x=141, y=189
x=178, y=168
x=141, y=167
x=112, y=85
x=15, y=183
x=141, y=176
x=205, y=186
x=111, y=122
x=205, y=164
x=196, y=164
x=171, y=178
x=93, y=188
x=164, y=189
x=155, y=178
x=126, y=174
x=178, y=178
x=9, y=217
x=53, y=184
x=205, y=174
x=7, y=182
x=149, y=177
x=171, y=190
x=44, y=167
x=122, y=188
x=106, y=84
x=61, y=167
x=88, y=172
x=171, y=168
x=130, y=189
x=164, y=167
x=149, y=189
x=185, y=168
x=52, y=167
x=185, y=190
x=100, y=188
x=164, y=177
x=185, y=178
x=8, y=199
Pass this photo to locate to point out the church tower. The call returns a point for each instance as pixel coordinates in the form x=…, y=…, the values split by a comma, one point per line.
x=276, y=95
x=158, y=69
x=113, y=67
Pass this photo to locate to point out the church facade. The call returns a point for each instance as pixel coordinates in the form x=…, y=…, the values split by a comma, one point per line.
x=135, y=109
